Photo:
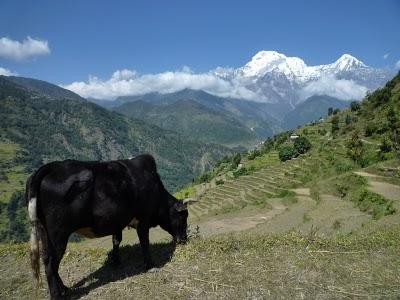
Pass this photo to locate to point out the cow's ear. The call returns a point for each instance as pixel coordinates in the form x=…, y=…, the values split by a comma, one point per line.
x=180, y=206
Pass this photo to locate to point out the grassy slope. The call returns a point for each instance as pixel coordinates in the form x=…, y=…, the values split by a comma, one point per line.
x=232, y=267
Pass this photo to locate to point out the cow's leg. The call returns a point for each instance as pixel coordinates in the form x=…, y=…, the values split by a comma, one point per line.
x=116, y=240
x=53, y=251
x=143, y=233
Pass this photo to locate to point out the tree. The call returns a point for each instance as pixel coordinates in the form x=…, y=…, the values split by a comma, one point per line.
x=236, y=160
x=355, y=148
x=335, y=124
x=394, y=125
x=330, y=111
x=287, y=152
x=302, y=145
x=355, y=106
x=348, y=119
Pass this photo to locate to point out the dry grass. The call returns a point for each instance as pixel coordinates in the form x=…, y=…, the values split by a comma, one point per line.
x=227, y=267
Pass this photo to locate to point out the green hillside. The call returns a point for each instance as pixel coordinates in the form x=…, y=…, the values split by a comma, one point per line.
x=35, y=129
x=43, y=88
x=193, y=121
x=261, y=118
x=361, y=138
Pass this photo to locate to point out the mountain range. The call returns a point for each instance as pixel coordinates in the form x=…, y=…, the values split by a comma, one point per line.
x=277, y=78
x=281, y=92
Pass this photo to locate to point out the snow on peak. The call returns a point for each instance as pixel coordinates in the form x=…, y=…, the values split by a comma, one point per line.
x=295, y=68
x=266, y=61
x=347, y=62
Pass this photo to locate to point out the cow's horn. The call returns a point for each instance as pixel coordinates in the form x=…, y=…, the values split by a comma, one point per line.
x=189, y=201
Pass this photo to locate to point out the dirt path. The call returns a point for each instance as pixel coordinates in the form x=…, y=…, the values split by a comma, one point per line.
x=240, y=222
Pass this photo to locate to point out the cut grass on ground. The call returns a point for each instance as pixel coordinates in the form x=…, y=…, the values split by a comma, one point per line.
x=231, y=267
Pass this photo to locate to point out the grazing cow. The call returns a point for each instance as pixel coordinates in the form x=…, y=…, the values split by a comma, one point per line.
x=97, y=199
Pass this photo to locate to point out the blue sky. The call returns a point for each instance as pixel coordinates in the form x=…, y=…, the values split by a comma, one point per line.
x=99, y=37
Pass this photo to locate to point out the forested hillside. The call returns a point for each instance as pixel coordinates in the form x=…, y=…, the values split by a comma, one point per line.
x=36, y=128
x=192, y=120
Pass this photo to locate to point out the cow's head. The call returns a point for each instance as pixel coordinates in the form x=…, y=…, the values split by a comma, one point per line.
x=178, y=215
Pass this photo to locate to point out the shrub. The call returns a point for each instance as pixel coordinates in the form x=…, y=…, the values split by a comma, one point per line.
x=335, y=124
x=219, y=182
x=355, y=106
x=236, y=160
x=370, y=129
x=253, y=154
x=348, y=119
x=287, y=152
x=355, y=148
x=241, y=171
x=322, y=131
x=385, y=146
x=302, y=145
x=375, y=204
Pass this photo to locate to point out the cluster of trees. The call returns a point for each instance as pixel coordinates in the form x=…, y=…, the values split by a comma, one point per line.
x=301, y=145
x=15, y=218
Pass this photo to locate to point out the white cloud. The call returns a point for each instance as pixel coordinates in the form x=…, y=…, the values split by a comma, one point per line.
x=26, y=49
x=7, y=72
x=331, y=86
x=397, y=65
x=128, y=82
x=385, y=56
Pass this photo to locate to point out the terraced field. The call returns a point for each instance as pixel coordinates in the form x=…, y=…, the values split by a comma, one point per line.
x=254, y=189
x=16, y=176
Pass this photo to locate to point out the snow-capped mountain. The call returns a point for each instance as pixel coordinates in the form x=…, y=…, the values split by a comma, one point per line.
x=276, y=78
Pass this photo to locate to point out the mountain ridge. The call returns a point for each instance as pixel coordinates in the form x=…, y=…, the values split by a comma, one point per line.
x=192, y=120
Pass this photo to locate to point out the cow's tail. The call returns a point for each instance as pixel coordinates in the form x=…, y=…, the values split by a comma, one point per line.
x=32, y=196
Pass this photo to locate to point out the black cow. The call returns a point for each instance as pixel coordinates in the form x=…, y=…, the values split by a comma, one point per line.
x=97, y=199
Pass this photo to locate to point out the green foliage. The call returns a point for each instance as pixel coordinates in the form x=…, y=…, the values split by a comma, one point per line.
x=281, y=138
x=302, y=145
x=330, y=111
x=253, y=154
x=355, y=148
x=322, y=131
x=355, y=106
x=335, y=124
x=385, y=146
x=354, y=187
x=370, y=129
x=375, y=204
x=345, y=184
x=348, y=119
x=15, y=211
x=240, y=172
x=287, y=152
x=236, y=160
